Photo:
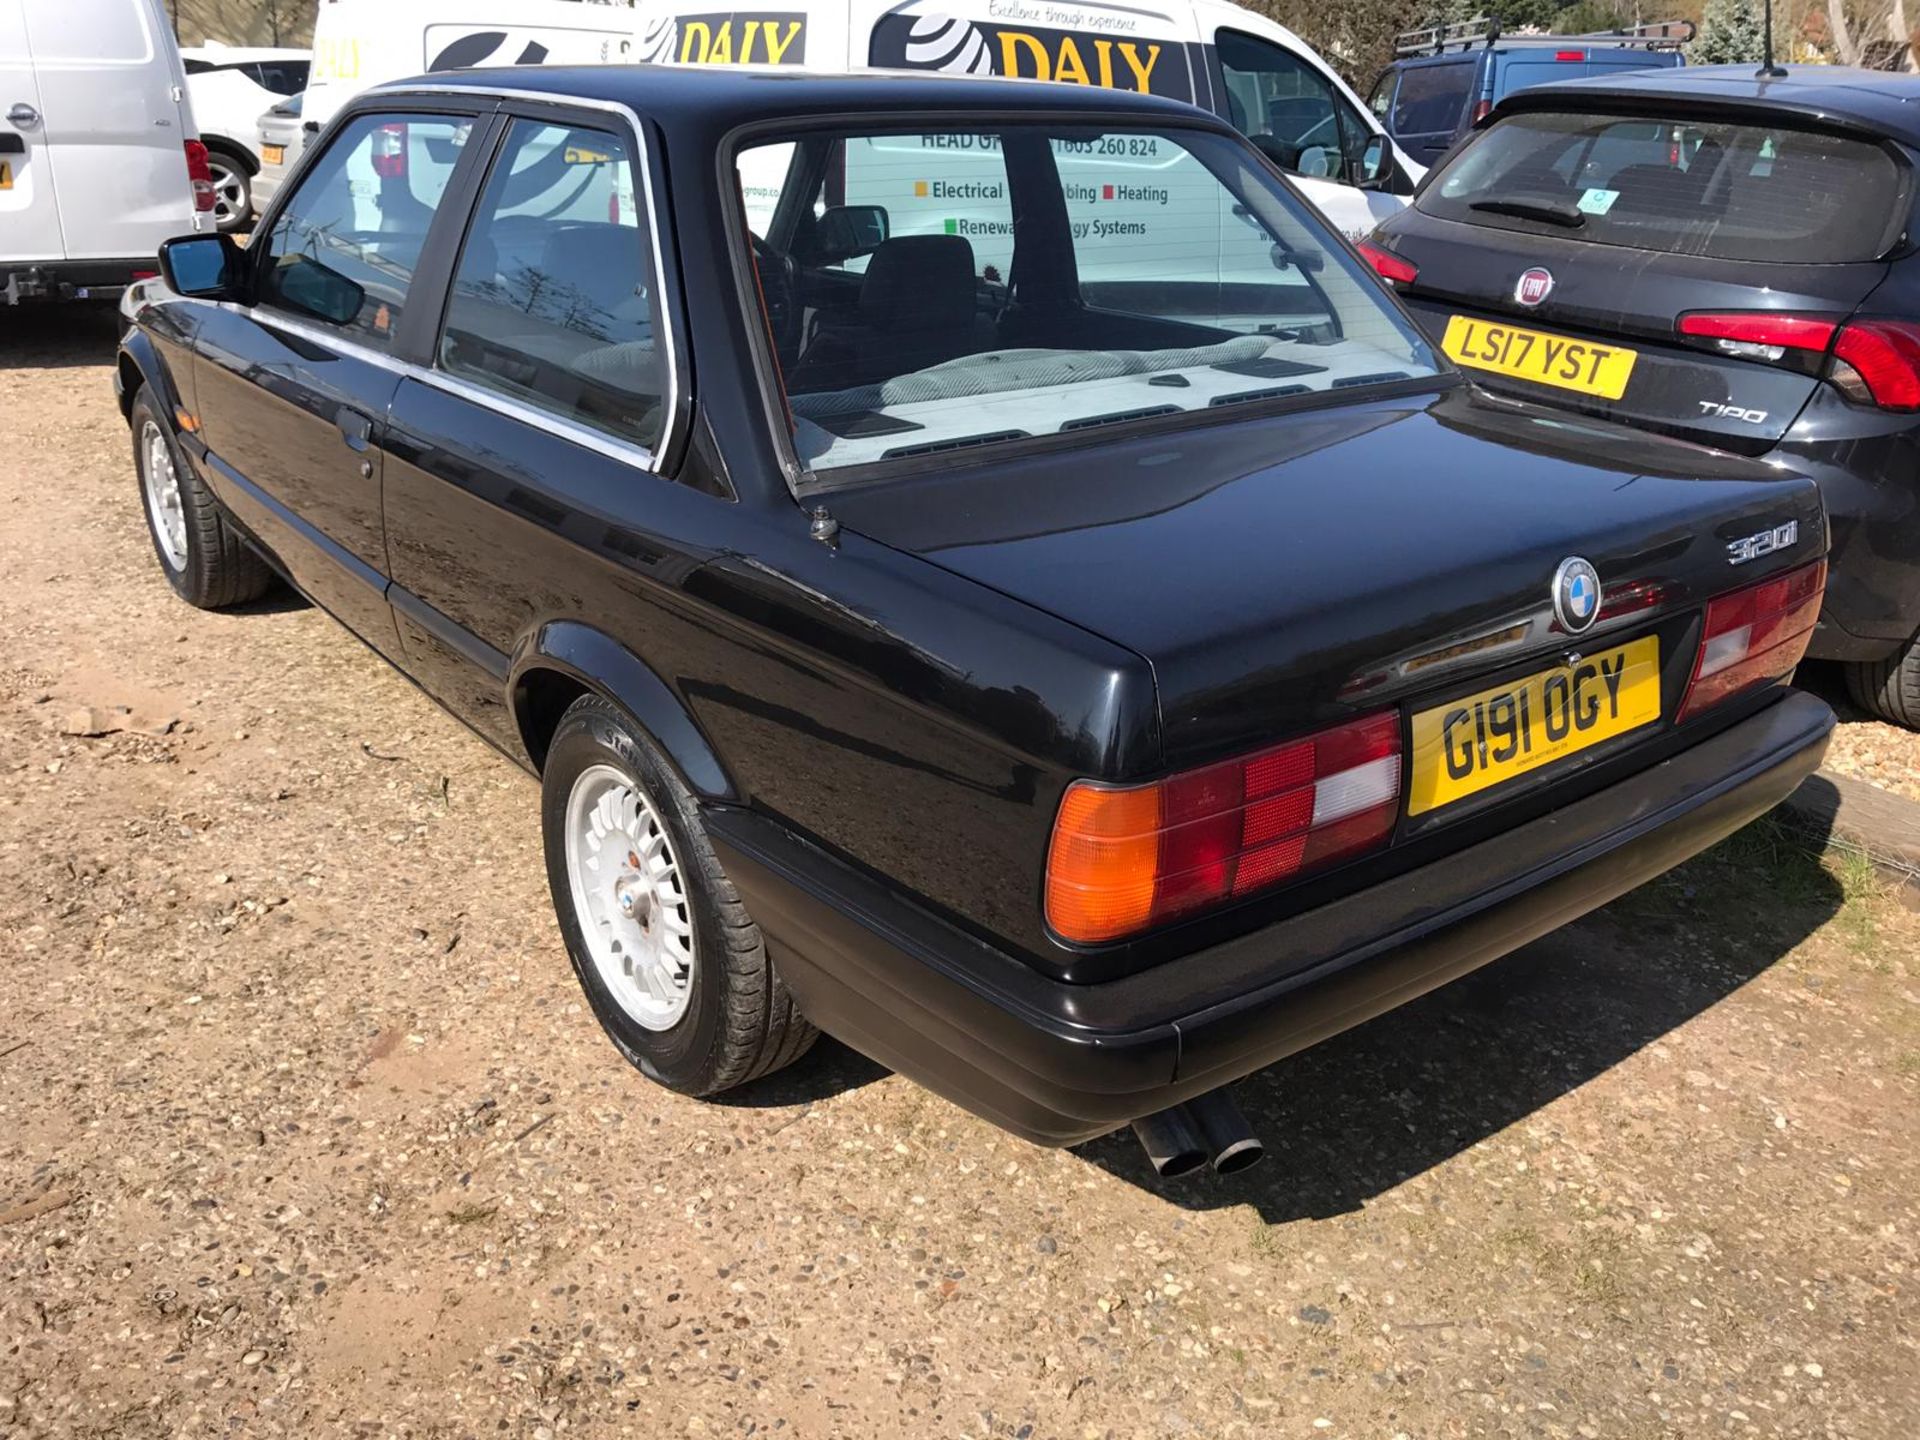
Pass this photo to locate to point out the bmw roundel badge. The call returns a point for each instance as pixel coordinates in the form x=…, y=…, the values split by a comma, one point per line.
x=1576, y=594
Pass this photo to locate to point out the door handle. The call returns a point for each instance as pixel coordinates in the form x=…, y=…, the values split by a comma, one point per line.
x=355, y=428
x=24, y=115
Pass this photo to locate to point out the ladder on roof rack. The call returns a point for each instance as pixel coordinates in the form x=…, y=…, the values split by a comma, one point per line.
x=1483, y=31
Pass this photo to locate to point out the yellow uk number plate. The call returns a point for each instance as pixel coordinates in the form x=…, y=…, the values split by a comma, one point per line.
x=1555, y=360
x=6, y=176
x=273, y=154
x=1477, y=741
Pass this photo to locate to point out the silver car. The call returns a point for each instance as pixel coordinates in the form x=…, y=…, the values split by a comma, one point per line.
x=281, y=137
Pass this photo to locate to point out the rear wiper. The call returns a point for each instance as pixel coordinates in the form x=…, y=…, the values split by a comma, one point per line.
x=1554, y=212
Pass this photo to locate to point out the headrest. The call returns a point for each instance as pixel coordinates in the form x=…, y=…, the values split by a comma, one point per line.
x=919, y=282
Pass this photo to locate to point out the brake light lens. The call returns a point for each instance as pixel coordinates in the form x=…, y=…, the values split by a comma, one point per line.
x=199, y=176
x=390, y=151
x=1565, y=55
x=1481, y=109
x=1128, y=858
x=1754, y=635
x=1877, y=362
x=1389, y=266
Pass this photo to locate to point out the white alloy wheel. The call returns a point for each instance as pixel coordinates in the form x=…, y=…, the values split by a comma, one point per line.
x=627, y=893
x=162, y=485
x=231, y=202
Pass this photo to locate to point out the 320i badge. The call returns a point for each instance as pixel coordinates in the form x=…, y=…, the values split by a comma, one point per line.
x=1075, y=690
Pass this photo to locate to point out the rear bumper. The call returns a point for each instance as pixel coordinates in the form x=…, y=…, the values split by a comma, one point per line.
x=24, y=280
x=1060, y=1063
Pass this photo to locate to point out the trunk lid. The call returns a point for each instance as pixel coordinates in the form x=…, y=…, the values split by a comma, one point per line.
x=1619, y=297
x=1285, y=573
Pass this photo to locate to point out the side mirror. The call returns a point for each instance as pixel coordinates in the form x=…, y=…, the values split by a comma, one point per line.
x=307, y=285
x=845, y=231
x=207, y=267
x=1375, y=162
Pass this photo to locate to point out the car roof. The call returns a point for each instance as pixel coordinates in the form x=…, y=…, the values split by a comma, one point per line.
x=729, y=95
x=1884, y=101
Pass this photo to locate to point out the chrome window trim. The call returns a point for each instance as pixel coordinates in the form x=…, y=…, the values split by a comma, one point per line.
x=586, y=435
x=612, y=447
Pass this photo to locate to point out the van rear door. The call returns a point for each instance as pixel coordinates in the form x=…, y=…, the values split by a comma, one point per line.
x=29, y=216
x=113, y=125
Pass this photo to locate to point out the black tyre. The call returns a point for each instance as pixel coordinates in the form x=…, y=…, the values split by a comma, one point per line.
x=671, y=962
x=1889, y=688
x=232, y=190
x=202, y=556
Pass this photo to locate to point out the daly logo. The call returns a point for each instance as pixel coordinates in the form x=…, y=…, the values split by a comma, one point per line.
x=1535, y=285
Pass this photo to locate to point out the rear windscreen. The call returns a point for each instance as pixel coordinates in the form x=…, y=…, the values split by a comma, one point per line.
x=1730, y=191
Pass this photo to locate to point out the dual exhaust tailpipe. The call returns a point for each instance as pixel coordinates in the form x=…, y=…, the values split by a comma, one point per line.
x=1208, y=1129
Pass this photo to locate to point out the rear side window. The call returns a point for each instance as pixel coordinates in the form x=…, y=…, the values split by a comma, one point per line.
x=1724, y=190
x=554, y=303
x=344, y=248
x=1432, y=98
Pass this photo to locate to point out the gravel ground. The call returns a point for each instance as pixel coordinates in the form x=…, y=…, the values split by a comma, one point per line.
x=1863, y=747
x=305, y=1131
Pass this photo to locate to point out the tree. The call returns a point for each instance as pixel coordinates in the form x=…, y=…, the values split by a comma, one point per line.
x=1732, y=32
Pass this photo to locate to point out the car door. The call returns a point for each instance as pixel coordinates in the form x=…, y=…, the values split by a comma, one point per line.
x=1430, y=105
x=522, y=477
x=293, y=387
x=29, y=215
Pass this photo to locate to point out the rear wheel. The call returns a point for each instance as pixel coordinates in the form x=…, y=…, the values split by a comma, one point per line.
x=232, y=190
x=203, y=558
x=1889, y=688
x=675, y=969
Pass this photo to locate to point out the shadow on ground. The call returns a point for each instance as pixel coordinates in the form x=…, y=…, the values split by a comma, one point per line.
x=58, y=336
x=1359, y=1114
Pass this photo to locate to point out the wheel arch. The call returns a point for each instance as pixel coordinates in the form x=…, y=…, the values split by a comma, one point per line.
x=249, y=161
x=565, y=659
x=139, y=363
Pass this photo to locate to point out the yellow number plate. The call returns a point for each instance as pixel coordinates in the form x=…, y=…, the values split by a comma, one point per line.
x=1466, y=745
x=1534, y=355
x=6, y=176
x=273, y=154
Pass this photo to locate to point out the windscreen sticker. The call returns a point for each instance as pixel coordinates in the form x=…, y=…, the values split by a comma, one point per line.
x=1107, y=56
x=726, y=37
x=1597, y=201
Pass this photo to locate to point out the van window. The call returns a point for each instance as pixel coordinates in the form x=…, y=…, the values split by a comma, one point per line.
x=553, y=302
x=940, y=291
x=1287, y=108
x=1381, y=100
x=1732, y=191
x=1432, y=98
x=361, y=216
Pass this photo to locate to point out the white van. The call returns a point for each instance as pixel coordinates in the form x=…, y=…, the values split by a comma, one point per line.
x=1265, y=80
x=99, y=159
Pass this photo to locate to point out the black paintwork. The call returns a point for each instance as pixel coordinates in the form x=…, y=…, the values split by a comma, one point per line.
x=882, y=724
x=1866, y=461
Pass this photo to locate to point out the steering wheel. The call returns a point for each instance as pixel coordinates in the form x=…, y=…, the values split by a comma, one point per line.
x=780, y=295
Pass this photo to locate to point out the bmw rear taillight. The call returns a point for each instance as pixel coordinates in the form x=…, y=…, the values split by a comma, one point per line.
x=1128, y=858
x=1387, y=265
x=1873, y=362
x=199, y=176
x=1754, y=636
x=390, y=151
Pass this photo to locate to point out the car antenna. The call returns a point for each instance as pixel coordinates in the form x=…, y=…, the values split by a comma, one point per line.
x=1769, y=70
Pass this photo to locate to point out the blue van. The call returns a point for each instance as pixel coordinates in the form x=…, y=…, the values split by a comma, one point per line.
x=1447, y=77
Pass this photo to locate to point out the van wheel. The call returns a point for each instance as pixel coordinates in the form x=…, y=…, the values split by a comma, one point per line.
x=232, y=190
x=1889, y=688
x=675, y=969
x=202, y=556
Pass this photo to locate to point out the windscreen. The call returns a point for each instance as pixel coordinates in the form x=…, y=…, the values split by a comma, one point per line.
x=933, y=292
x=1720, y=189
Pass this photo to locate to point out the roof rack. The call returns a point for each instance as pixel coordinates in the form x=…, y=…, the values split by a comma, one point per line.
x=1466, y=34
